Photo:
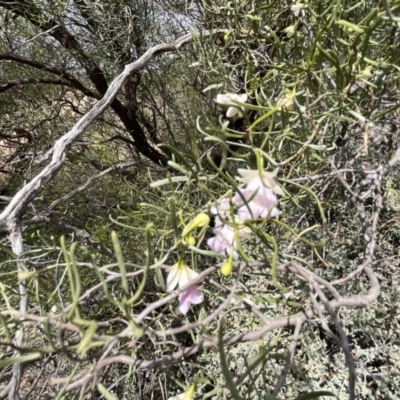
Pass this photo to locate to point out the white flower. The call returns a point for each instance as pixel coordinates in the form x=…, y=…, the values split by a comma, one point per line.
x=226, y=99
x=222, y=208
x=261, y=201
x=267, y=179
x=224, y=241
x=286, y=102
x=179, y=275
x=296, y=8
x=289, y=31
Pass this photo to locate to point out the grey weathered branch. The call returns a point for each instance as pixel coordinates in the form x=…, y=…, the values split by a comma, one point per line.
x=10, y=217
x=25, y=195
x=18, y=248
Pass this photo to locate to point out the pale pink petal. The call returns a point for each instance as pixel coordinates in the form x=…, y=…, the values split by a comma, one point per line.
x=226, y=233
x=237, y=199
x=247, y=174
x=255, y=210
x=185, y=275
x=224, y=206
x=183, y=279
x=244, y=214
x=270, y=212
x=244, y=194
x=216, y=245
x=224, y=241
x=221, y=210
x=191, y=274
x=261, y=199
x=184, y=305
x=191, y=296
x=266, y=197
x=266, y=182
x=251, y=210
x=256, y=183
x=218, y=222
x=253, y=179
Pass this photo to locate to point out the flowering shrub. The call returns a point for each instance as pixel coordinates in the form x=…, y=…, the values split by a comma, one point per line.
x=223, y=280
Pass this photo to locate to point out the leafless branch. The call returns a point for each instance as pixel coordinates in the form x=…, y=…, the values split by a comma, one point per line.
x=61, y=147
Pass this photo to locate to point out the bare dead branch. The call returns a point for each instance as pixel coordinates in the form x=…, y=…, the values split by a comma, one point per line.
x=61, y=147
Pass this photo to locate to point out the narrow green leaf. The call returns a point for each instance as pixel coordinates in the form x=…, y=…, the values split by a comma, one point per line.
x=358, y=116
x=224, y=364
x=87, y=338
x=166, y=181
x=20, y=360
x=213, y=86
x=179, y=168
x=121, y=262
x=351, y=26
x=314, y=395
x=149, y=257
x=262, y=118
x=103, y=390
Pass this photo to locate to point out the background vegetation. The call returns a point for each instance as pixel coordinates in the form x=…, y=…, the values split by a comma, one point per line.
x=95, y=194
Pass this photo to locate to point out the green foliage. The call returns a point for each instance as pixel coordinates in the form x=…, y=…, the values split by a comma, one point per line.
x=322, y=87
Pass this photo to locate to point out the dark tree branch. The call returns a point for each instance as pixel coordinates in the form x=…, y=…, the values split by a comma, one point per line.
x=127, y=114
x=22, y=82
x=55, y=71
x=61, y=147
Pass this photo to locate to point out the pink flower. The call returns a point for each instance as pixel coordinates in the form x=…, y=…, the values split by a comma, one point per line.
x=296, y=8
x=258, y=199
x=191, y=296
x=224, y=241
x=262, y=204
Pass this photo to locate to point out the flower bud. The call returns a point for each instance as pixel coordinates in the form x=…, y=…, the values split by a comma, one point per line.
x=198, y=222
x=226, y=268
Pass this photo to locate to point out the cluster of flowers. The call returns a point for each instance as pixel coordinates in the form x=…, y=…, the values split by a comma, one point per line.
x=258, y=199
